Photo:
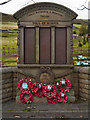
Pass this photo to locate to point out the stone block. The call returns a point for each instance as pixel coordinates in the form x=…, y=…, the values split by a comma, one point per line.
x=82, y=85
x=84, y=76
x=6, y=76
x=86, y=82
x=8, y=90
x=83, y=95
x=85, y=70
x=85, y=91
x=6, y=81
x=7, y=95
x=8, y=85
x=6, y=99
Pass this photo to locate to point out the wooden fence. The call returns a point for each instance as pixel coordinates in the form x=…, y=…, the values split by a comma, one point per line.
x=9, y=55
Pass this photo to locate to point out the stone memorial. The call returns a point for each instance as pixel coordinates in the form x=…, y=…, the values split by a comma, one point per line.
x=45, y=42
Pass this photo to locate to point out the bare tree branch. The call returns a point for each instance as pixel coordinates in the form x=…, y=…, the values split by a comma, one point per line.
x=33, y=1
x=83, y=6
x=5, y=2
x=29, y=2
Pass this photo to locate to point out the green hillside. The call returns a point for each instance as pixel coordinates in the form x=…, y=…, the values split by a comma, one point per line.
x=7, y=18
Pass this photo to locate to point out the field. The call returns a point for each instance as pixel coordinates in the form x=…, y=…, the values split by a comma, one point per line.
x=9, y=43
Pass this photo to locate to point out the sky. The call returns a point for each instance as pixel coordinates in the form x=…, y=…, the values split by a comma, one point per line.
x=15, y=5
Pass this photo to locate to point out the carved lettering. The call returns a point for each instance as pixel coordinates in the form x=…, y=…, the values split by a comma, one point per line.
x=44, y=11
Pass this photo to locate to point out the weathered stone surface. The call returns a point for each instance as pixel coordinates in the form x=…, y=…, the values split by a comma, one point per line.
x=84, y=76
x=76, y=70
x=6, y=76
x=7, y=95
x=75, y=75
x=7, y=85
x=83, y=95
x=71, y=96
x=7, y=90
x=84, y=81
x=5, y=81
x=9, y=70
x=45, y=78
x=82, y=85
x=6, y=99
x=85, y=70
x=85, y=91
x=39, y=100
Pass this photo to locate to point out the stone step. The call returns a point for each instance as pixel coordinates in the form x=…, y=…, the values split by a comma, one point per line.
x=46, y=114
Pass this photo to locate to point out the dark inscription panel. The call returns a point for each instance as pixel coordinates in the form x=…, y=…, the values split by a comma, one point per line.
x=60, y=46
x=30, y=45
x=45, y=48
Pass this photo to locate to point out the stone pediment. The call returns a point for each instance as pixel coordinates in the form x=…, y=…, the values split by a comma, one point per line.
x=45, y=11
x=43, y=15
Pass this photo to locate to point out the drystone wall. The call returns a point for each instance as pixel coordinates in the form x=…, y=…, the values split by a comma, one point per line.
x=9, y=79
x=84, y=83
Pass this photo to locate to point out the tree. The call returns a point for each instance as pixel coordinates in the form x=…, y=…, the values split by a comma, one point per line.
x=11, y=0
x=74, y=32
x=83, y=30
x=5, y=2
x=80, y=44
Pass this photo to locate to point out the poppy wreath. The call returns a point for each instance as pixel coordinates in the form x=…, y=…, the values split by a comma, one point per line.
x=50, y=95
x=24, y=81
x=35, y=88
x=23, y=99
x=59, y=98
x=68, y=87
x=51, y=100
x=39, y=90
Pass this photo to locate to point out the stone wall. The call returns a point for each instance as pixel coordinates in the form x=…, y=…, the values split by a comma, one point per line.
x=80, y=79
x=9, y=79
x=84, y=83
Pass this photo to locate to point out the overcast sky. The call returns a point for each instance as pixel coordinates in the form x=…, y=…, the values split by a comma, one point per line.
x=15, y=5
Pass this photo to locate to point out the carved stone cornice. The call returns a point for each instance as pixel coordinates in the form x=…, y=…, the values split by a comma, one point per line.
x=45, y=6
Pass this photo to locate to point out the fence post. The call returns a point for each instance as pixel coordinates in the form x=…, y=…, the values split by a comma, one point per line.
x=3, y=50
x=8, y=51
x=13, y=50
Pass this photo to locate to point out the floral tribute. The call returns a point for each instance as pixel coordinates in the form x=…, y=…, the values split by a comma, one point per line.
x=52, y=93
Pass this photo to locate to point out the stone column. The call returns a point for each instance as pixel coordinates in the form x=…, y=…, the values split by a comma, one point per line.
x=37, y=45
x=21, y=45
x=68, y=46
x=52, y=45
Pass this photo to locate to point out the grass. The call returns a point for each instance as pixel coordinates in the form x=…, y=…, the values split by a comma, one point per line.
x=10, y=110
x=76, y=28
x=10, y=59
x=9, y=41
x=10, y=64
x=77, y=25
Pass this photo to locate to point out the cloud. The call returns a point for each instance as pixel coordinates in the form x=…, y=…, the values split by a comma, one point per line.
x=15, y=5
